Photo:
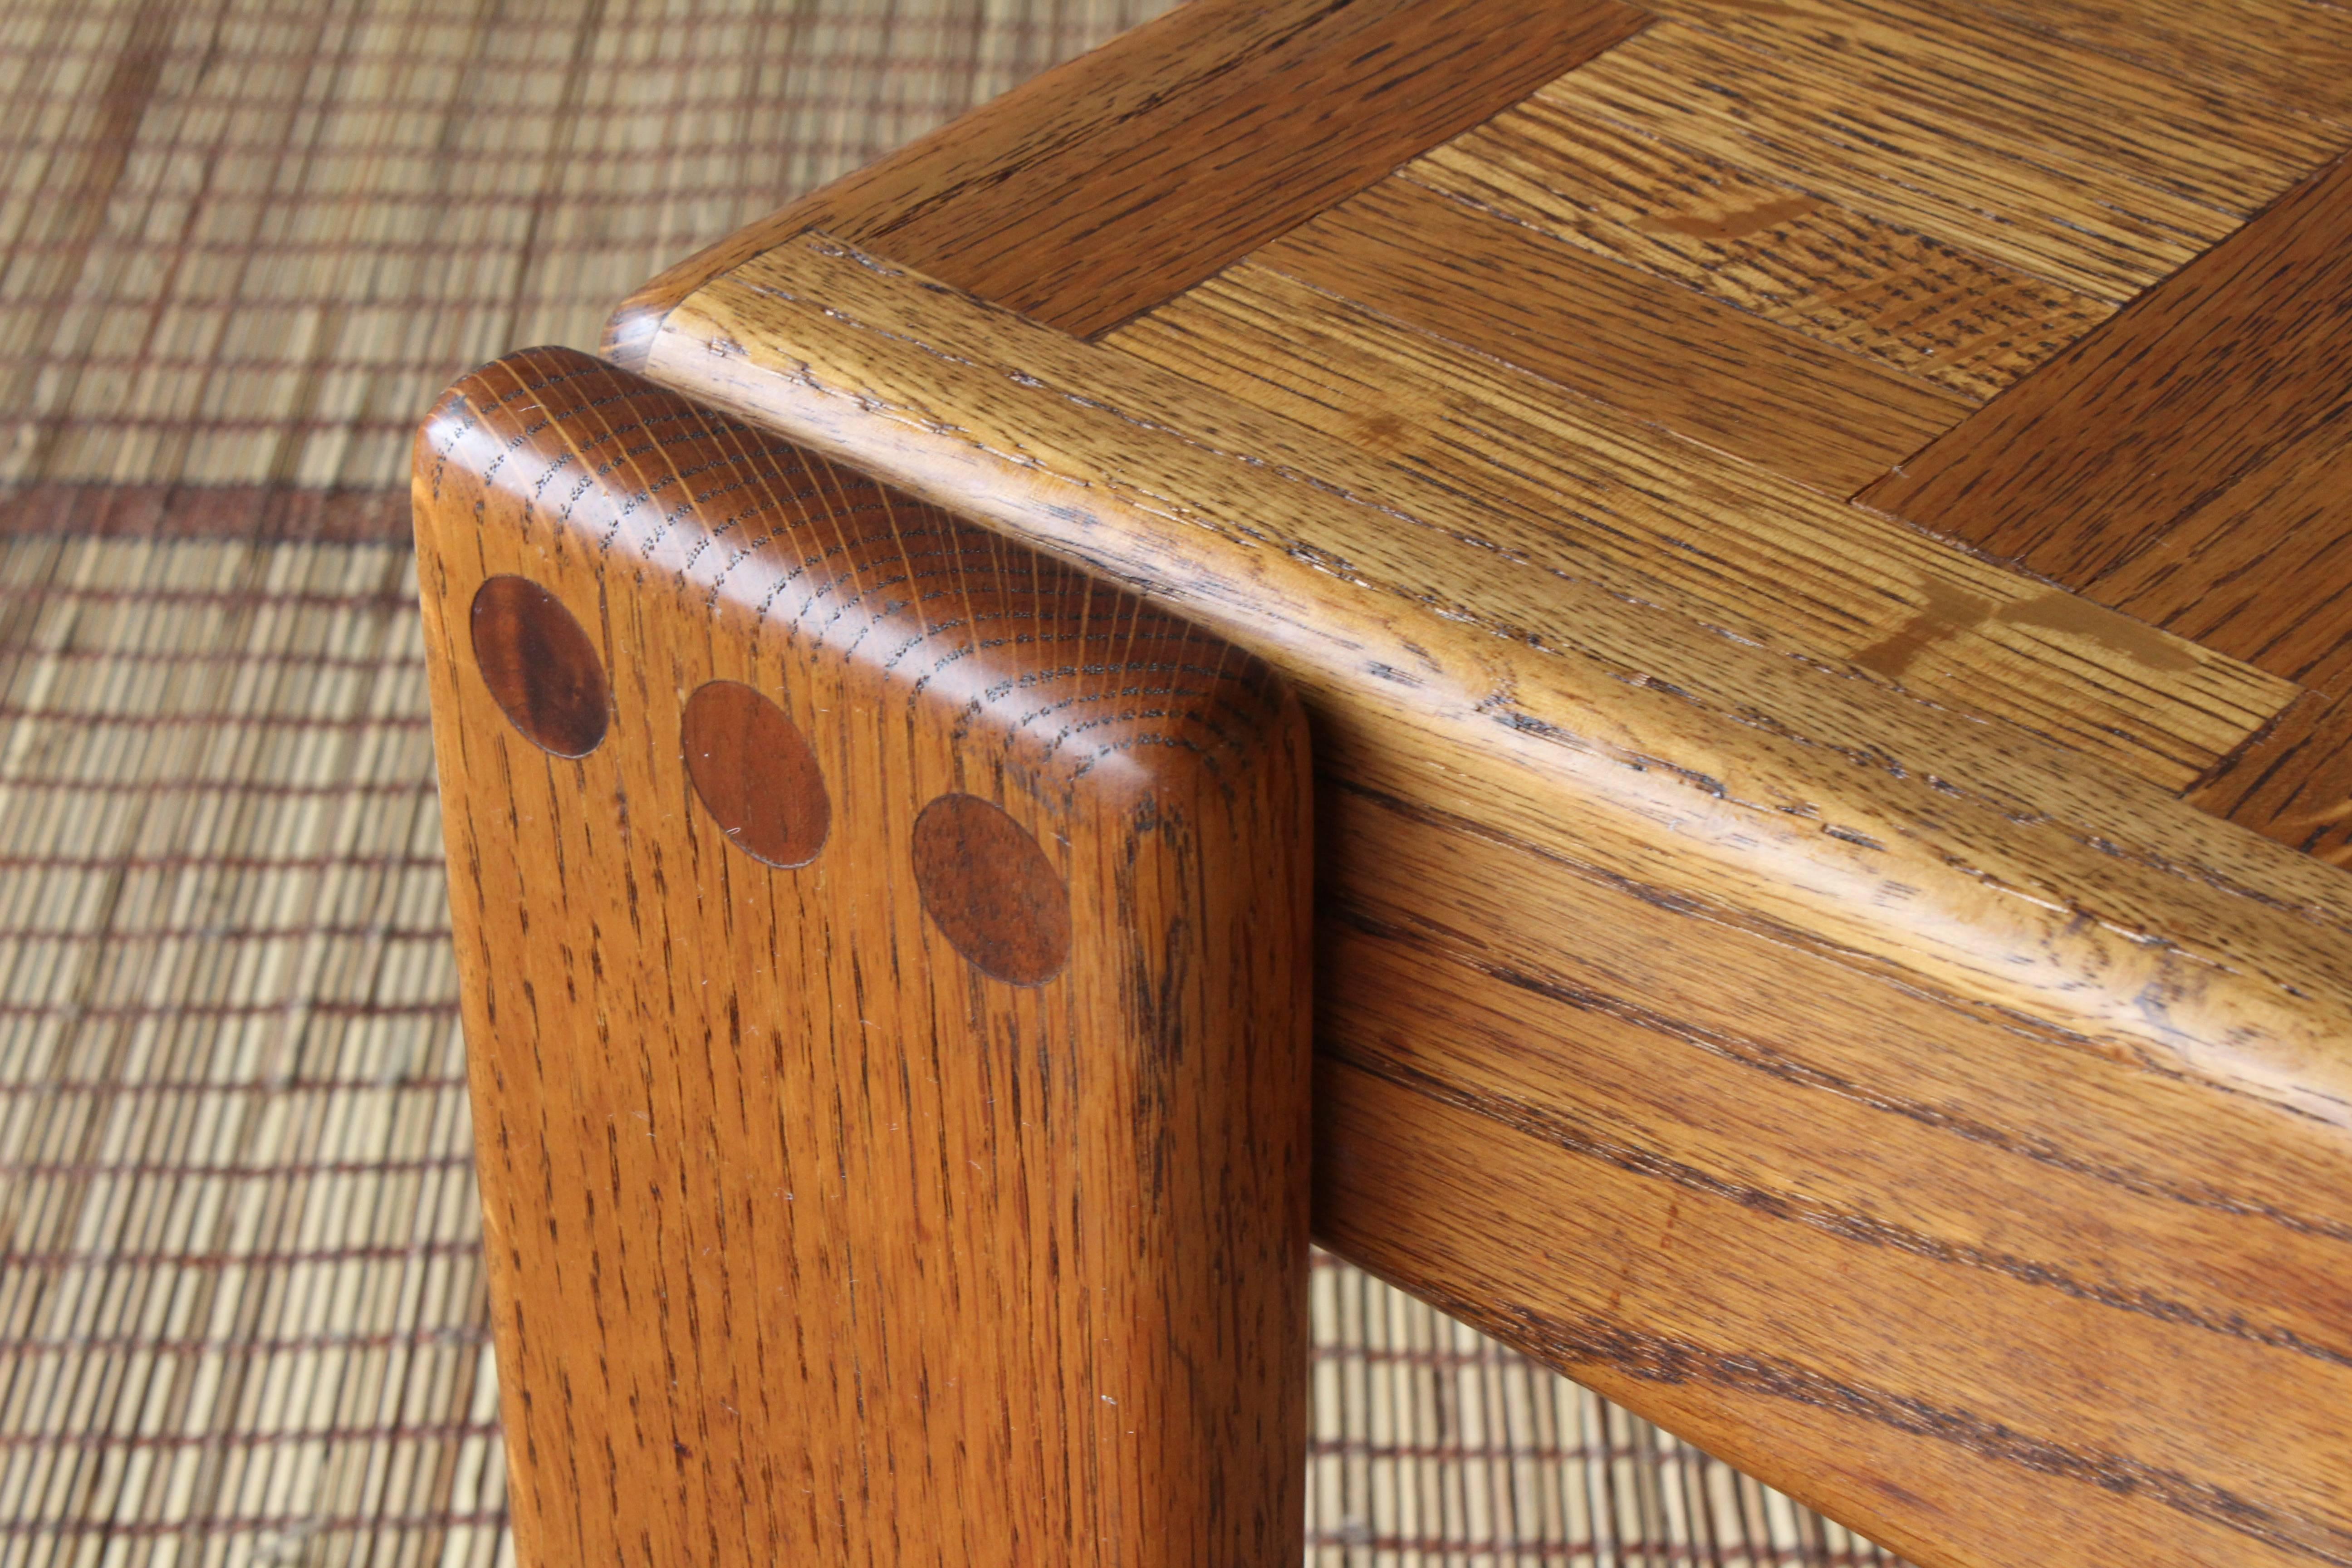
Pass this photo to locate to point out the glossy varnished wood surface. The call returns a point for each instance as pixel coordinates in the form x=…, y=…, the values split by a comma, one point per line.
x=2185, y=465
x=1100, y=189
x=2140, y=423
x=888, y=1035
x=1576, y=486
x=1534, y=754
x=1794, y=533
x=1642, y=194
x=1796, y=407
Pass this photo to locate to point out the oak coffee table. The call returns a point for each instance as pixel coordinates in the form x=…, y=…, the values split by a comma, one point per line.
x=1722, y=632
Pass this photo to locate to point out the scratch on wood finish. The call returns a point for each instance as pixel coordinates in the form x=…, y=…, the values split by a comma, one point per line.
x=1989, y=1106
x=2295, y=783
x=888, y=1041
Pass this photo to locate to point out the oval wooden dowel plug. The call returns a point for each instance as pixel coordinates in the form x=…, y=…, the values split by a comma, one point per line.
x=886, y=977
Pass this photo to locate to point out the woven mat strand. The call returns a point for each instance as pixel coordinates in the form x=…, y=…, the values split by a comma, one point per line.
x=242, y=244
x=248, y=241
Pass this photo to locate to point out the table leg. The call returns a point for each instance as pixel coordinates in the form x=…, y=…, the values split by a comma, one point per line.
x=884, y=963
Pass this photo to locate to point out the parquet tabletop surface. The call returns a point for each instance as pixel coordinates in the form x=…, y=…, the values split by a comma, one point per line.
x=1816, y=536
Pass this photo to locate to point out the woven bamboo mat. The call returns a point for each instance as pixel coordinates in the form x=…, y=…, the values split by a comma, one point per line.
x=241, y=243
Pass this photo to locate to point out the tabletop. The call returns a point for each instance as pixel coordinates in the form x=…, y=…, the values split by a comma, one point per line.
x=1813, y=536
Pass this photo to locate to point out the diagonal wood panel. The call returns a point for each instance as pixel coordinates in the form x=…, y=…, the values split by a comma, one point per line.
x=1577, y=488
x=2295, y=53
x=1099, y=190
x=1993, y=187
x=2260, y=571
x=1600, y=882
x=2127, y=433
x=2263, y=571
x=2187, y=465
x=1086, y=241
x=2035, y=97
x=1659, y=351
x=1928, y=308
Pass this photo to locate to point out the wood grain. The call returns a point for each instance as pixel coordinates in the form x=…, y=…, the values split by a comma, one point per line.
x=1565, y=485
x=2262, y=569
x=2294, y=784
x=941, y=1200
x=2186, y=465
x=1662, y=354
x=1207, y=178
x=1100, y=189
x=1432, y=1196
x=1920, y=1112
x=2125, y=129
x=2127, y=434
x=1921, y=306
x=1991, y=187
x=1543, y=678
x=1778, y=966
x=2286, y=51
x=1049, y=119
x=539, y=666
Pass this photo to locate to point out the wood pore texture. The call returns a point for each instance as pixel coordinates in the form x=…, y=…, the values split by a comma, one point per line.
x=1814, y=541
x=888, y=1035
